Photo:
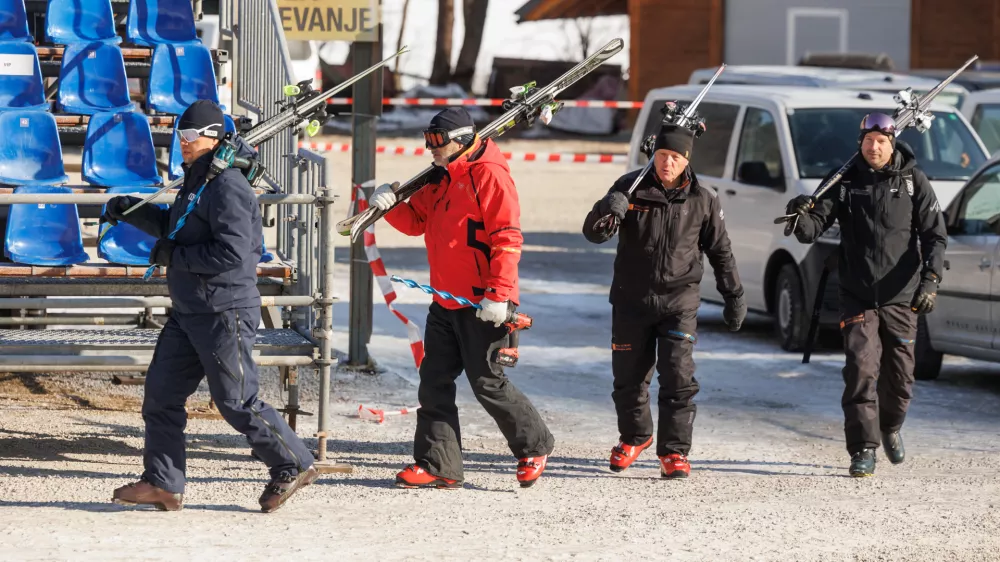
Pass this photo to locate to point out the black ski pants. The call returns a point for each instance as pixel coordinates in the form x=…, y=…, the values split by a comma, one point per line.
x=878, y=375
x=638, y=343
x=216, y=346
x=455, y=340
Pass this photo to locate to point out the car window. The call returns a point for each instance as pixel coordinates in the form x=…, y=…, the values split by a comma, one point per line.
x=710, y=149
x=979, y=211
x=758, y=159
x=824, y=138
x=986, y=122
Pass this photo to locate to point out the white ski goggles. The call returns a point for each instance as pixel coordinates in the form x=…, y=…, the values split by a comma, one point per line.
x=191, y=135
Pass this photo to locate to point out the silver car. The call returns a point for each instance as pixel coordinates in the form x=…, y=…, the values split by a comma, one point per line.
x=967, y=317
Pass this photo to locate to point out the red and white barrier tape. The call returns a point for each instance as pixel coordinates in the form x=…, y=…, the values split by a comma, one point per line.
x=489, y=102
x=577, y=157
x=375, y=414
x=378, y=270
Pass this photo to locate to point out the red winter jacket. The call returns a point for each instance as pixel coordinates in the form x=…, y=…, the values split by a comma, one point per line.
x=471, y=226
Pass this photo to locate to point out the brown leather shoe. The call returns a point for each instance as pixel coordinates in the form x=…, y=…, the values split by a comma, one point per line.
x=144, y=493
x=280, y=488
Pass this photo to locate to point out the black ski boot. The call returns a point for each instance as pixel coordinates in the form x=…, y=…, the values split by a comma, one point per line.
x=892, y=443
x=863, y=463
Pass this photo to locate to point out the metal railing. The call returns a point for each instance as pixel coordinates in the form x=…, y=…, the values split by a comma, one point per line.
x=298, y=233
x=261, y=66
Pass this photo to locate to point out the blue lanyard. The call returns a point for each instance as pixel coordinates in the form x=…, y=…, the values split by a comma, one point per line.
x=192, y=203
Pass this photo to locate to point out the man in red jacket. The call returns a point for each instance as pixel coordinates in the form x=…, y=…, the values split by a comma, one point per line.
x=470, y=219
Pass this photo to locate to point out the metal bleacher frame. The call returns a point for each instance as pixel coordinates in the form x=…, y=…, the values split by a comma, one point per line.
x=296, y=289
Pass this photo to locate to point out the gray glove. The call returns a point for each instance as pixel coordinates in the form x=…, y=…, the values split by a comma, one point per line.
x=615, y=204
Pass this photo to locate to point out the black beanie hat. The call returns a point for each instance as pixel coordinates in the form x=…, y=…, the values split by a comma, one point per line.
x=677, y=139
x=201, y=114
x=455, y=118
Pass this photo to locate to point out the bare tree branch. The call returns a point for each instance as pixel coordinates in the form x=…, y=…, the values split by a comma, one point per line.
x=474, y=12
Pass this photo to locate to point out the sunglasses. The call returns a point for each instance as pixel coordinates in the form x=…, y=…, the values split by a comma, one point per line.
x=436, y=138
x=879, y=122
x=191, y=135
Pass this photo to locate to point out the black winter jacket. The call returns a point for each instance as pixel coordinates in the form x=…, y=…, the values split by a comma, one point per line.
x=882, y=215
x=214, y=265
x=662, y=243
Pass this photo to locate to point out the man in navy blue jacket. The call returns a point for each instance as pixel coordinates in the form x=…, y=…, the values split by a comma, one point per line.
x=210, y=240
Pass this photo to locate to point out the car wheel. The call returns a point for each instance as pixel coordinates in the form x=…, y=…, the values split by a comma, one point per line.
x=791, y=319
x=928, y=361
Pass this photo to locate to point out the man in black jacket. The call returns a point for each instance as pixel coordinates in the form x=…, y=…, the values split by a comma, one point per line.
x=885, y=207
x=668, y=226
x=210, y=240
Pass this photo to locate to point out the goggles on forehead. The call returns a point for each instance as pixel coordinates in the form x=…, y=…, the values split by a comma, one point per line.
x=878, y=122
x=191, y=135
x=436, y=138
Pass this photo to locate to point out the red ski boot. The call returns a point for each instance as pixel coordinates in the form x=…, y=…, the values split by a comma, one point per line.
x=529, y=469
x=414, y=476
x=674, y=466
x=622, y=455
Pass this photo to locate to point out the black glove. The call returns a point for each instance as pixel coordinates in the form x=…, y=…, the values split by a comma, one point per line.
x=615, y=204
x=926, y=297
x=116, y=206
x=800, y=205
x=735, y=312
x=162, y=251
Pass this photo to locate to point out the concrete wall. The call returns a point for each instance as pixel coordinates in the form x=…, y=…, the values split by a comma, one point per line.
x=758, y=32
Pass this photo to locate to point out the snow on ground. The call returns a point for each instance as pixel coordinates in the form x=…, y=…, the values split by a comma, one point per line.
x=769, y=478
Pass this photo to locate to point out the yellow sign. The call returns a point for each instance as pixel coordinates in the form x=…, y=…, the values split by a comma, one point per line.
x=330, y=20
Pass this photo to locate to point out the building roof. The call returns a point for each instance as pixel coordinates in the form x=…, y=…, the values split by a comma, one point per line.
x=537, y=10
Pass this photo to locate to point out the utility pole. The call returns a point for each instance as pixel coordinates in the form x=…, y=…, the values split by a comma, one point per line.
x=367, y=110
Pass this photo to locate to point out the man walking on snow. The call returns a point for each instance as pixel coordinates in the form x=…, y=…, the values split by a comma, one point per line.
x=885, y=206
x=470, y=219
x=666, y=228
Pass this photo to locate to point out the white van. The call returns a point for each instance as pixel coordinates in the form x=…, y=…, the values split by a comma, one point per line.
x=767, y=144
x=824, y=77
x=982, y=109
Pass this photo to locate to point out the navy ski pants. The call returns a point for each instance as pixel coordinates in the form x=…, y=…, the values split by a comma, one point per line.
x=216, y=346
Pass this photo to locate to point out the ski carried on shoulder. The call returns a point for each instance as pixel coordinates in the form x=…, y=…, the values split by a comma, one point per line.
x=911, y=111
x=526, y=104
x=305, y=104
x=673, y=114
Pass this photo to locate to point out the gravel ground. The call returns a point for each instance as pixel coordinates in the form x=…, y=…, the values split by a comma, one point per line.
x=769, y=479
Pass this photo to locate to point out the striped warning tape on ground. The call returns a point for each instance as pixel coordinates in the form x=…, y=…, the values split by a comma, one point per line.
x=577, y=157
x=490, y=102
x=360, y=204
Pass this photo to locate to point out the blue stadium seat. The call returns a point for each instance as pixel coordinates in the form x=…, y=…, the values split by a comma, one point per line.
x=176, y=160
x=118, y=151
x=44, y=234
x=92, y=79
x=181, y=75
x=13, y=21
x=152, y=22
x=80, y=21
x=21, y=86
x=123, y=243
x=30, y=153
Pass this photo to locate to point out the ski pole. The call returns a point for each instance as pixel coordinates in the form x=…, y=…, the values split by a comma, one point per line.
x=515, y=321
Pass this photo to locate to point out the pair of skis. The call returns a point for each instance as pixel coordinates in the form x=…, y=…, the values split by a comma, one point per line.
x=911, y=111
x=305, y=104
x=673, y=114
x=527, y=103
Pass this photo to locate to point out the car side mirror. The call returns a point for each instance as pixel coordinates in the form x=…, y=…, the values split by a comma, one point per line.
x=756, y=173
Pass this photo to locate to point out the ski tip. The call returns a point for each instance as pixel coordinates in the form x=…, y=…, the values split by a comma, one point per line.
x=403, y=49
x=614, y=45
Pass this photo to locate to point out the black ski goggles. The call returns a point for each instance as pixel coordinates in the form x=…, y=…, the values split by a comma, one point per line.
x=436, y=138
